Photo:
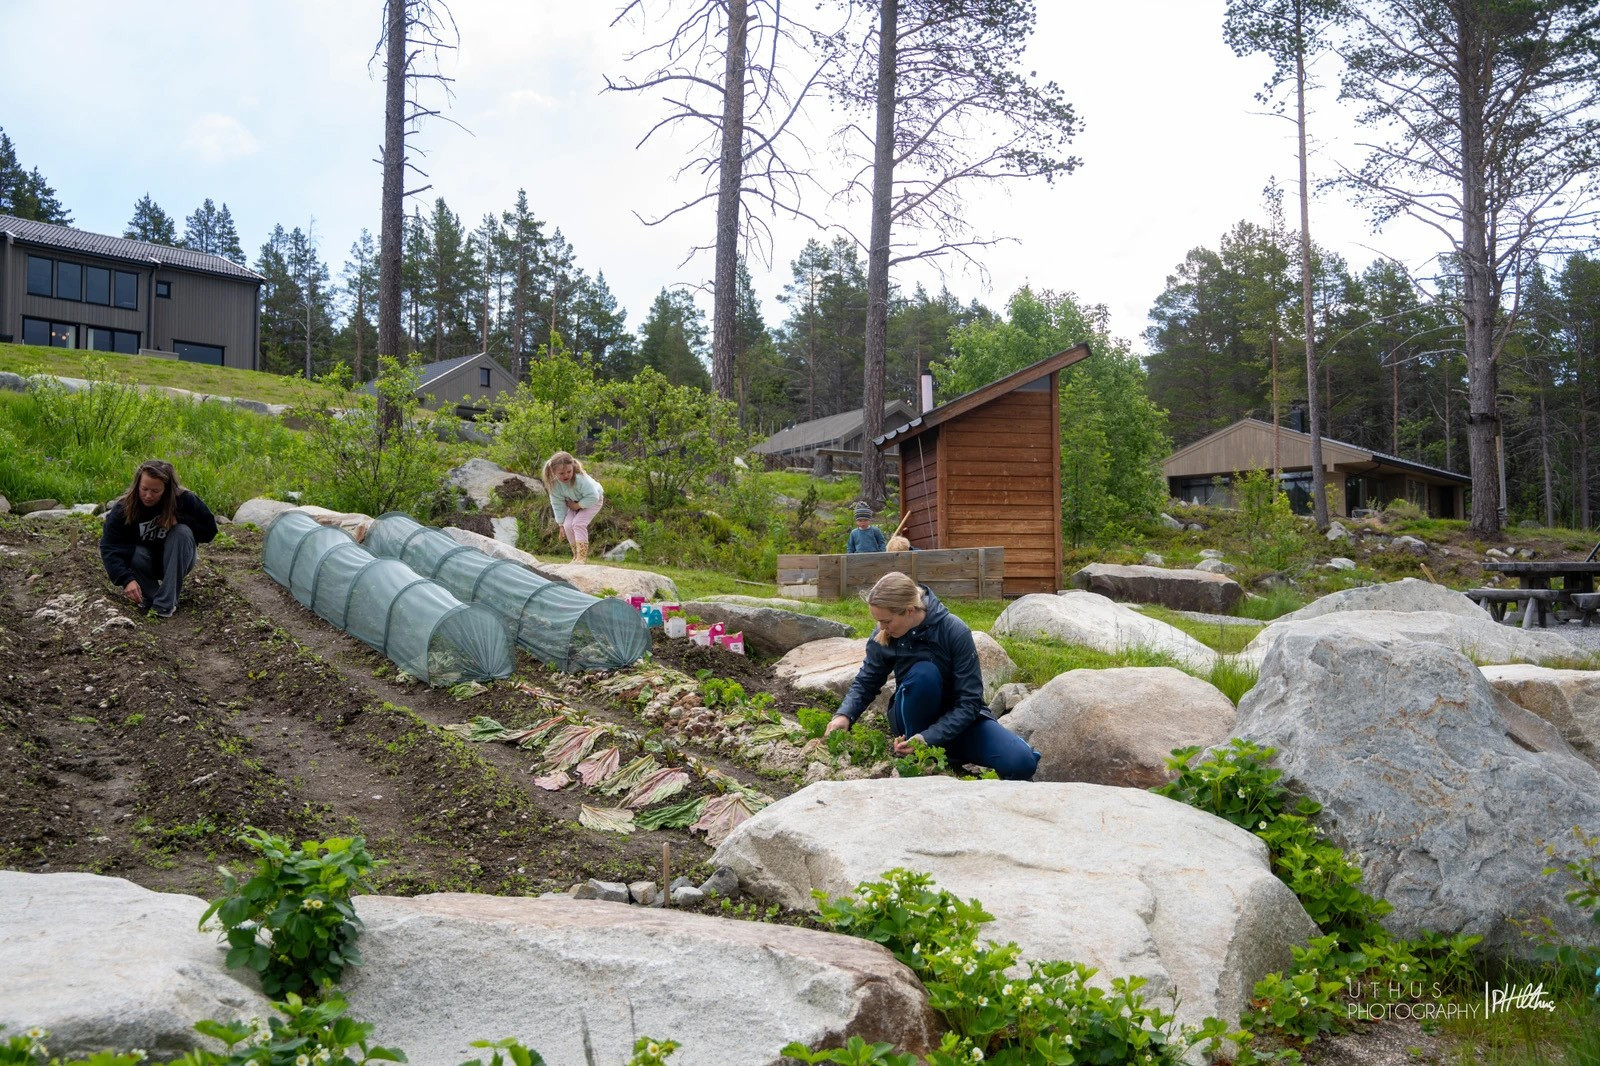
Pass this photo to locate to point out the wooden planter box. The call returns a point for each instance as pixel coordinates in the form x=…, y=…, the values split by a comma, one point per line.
x=963, y=573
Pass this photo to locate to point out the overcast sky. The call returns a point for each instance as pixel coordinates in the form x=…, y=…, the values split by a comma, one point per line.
x=271, y=107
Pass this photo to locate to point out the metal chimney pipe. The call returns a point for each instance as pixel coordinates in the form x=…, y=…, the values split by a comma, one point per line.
x=927, y=394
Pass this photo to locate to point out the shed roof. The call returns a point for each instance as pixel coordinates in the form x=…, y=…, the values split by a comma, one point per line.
x=428, y=373
x=826, y=430
x=140, y=253
x=980, y=396
x=1342, y=451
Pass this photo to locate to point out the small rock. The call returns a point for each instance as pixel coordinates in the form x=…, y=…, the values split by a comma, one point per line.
x=1336, y=531
x=1495, y=553
x=1412, y=545
x=724, y=882
x=1152, y=559
x=29, y=506
x=1211, y=553
x=84, y=508
x=1214, y=566
x=585, y=891
x=1525, y=553
x=1170, y=522
x=49, y=512
x=620, y=552
x=5, y=505
x=687, y=896
x=681, y=882
x=1007, y=696
x=610, y=891
x=1341, y=563
x=642, y=892
x=1195, y=527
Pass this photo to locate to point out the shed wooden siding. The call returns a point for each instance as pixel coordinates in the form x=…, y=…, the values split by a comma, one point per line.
x=919, y=489
x=461, y=385
x=1247, y=445
x=1002, y=487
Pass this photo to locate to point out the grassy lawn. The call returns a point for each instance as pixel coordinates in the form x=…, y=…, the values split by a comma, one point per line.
x=151, y=370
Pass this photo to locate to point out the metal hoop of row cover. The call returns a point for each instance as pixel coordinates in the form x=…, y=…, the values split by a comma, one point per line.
x=552, y=620
x=416, y=622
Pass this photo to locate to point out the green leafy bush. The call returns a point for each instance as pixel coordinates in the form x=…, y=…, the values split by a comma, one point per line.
x=859, y=745
x=814, y=721
x=379, y=455
x=549, y=412
x=293, y=922
x=674, y=438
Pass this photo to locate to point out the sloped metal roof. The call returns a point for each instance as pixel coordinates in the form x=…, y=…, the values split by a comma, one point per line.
x=828, y=429
x=139, y=253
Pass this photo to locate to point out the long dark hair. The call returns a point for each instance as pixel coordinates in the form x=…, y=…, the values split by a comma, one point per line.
x=166, y=508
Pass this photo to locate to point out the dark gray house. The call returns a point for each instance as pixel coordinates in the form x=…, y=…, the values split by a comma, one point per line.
x=66, y=288
x=836, y=438
x=470, y=382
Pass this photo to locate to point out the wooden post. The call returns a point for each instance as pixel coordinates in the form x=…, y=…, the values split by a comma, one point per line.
x=666, y=874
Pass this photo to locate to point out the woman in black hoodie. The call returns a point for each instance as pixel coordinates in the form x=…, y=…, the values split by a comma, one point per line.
x=148, y=541
x=938, y=684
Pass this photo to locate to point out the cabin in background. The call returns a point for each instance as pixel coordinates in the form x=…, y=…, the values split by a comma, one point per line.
x=984, y=470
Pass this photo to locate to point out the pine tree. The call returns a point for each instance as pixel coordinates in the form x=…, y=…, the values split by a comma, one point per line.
x=672, y=340
x=360, y=277
x=313, y=312
x=520, y=252
x=280, y=297
x=212, y=231
x=26, y=194
x=151, y=224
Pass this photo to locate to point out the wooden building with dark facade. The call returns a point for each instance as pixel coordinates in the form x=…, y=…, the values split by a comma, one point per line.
x=984, y=470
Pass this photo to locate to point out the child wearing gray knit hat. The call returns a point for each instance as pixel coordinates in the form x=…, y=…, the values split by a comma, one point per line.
x=866, y=537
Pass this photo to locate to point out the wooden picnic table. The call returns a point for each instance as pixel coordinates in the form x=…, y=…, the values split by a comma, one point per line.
x=1577, y=578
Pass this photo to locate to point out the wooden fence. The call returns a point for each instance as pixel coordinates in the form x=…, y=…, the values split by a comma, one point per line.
x=964, y=573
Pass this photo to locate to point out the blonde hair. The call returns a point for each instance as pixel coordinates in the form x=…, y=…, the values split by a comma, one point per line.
x=897, y=594
x=897, y=544
x=560, y=459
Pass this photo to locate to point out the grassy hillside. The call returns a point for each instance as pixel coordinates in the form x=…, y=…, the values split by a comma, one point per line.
x=151, y=370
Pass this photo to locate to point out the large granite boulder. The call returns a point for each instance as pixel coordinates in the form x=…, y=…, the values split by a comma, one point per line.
x=1117, y=727
x=496, y=549
x=621, y=581
x=1407, y=594
x=102, y=963
x=479, y=478
x=1181, y=590
x=779, y=602
x=1119, y=879
x=768, y=630
x=443, y=970
x=1439, y=787
x=1567, y=699
x=1089, y=619
x=1475, y=635
x=261, y=512
x=993, y=662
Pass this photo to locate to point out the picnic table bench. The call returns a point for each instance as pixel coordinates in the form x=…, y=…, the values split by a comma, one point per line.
x=1498, y=601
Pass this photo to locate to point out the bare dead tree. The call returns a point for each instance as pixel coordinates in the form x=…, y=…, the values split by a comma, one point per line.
x=722, y=70
x=951, y=113
x=415, y=34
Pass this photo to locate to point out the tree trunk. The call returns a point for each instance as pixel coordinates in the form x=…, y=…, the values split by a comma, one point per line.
x=1478, y=296
x=391, y=236
x=361, y=322
x=1313, y=407
x=730, y=175
x=1544, y=457
x=877, y=340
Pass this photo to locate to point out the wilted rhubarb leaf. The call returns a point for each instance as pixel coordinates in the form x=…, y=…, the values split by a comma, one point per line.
x=761, y=734
x=600, y=765
x=554, y=782
x=658, y=786
x=723, y=813
x=534, y=735
x=630, y=775
x=568, y=747
x=481, y=728
x=674, y=816
x=610, y=819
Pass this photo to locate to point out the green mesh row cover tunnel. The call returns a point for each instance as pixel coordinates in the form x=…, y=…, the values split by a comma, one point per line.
x=417, y=623
x=555, y=622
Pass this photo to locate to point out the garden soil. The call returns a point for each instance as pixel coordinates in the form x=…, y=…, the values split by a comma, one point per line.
x=140, y=748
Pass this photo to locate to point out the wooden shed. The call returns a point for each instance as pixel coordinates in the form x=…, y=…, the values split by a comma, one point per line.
x=984, y=470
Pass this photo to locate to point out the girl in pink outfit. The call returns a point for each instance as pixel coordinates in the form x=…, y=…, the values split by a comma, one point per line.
x=575, y=497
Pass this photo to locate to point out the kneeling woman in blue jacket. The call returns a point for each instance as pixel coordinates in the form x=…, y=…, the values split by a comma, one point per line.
x=938, y=685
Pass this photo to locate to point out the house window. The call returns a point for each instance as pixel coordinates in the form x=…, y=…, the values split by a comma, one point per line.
x=96, y=285
x=99, y=339
x=69, y=281
x=483, y=376
x=1212, y=491
x=164, y=290
x=197, y=353
x=1417, y=493
x=50, y=334
x=126, y=292
x=40, y=274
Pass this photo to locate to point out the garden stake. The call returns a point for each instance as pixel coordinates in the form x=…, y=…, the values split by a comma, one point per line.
x=666, y=871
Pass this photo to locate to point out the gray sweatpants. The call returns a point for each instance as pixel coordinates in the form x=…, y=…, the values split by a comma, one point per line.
x=161, y=578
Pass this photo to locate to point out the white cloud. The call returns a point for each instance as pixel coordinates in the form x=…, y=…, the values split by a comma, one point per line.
x=214, y=138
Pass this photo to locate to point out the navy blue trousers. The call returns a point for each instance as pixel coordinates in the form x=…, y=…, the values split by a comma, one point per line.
x=919, y=702
x=161, y=578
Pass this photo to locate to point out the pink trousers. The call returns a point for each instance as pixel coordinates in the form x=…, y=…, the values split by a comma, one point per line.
x=576, y=524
